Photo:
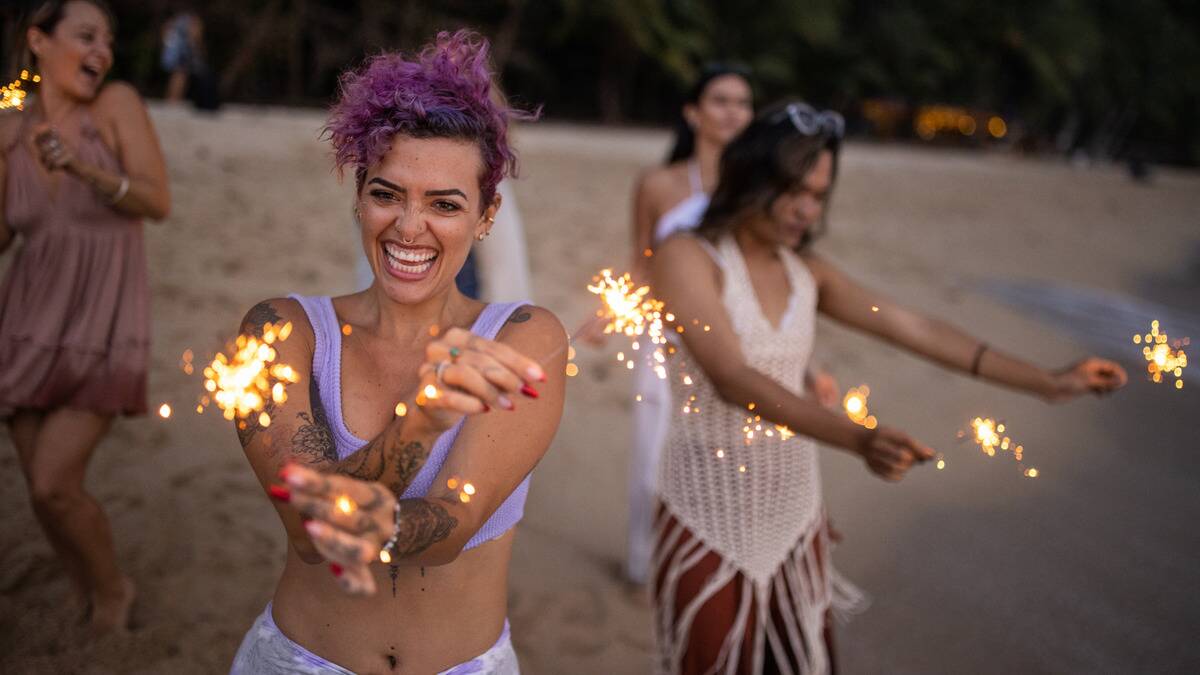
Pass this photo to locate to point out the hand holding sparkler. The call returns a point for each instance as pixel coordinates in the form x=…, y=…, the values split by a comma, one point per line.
x=889, y=453
x=352, y=521
x=1095, y=375
x=465, y=374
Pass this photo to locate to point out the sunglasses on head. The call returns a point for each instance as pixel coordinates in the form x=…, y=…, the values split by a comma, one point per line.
x=811, y=122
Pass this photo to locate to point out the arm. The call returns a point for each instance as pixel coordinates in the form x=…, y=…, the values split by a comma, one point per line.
x=843, y=299
x=137, y=147
x=299, y=431
x=494, y=452
x=686, y=280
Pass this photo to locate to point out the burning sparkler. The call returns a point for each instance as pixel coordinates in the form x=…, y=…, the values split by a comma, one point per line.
x=628, y=311
x=13, y=94
x=990, y=436
x=855, y=405
x=243, y=383
x=1163, y=355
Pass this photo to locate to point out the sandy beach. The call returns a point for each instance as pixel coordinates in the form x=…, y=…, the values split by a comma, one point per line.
x=974, y=569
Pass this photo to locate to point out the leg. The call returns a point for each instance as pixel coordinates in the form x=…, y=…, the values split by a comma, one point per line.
x=25, y=426
x=64, y=445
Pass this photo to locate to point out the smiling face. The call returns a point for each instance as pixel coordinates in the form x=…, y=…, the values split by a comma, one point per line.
x=796, y=211
x=420, y=210
x=77, y=53
x=725, y=107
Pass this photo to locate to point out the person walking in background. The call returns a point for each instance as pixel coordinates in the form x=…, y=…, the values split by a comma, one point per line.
x=81, y=167
x=183, y=59
x=743, y=581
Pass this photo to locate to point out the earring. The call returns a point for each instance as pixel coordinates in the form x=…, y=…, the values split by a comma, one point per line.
x=481, y=235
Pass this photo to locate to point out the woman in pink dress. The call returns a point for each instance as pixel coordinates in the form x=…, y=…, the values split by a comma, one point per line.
x=80, y=167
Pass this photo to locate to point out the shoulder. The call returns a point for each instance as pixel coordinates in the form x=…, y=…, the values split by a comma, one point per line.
x=662, y=180
x=278, y=312
x=822, y=270
x=533, y=327
x=118, y=96
x=685, y=248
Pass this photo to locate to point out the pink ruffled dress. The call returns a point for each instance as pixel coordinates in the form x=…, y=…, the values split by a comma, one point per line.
x=74, y=305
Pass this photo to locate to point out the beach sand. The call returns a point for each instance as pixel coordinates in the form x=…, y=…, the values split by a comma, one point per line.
x=1089, y=567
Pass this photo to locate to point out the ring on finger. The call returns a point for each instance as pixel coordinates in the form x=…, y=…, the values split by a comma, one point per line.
x=455, y=352
x=441, y=367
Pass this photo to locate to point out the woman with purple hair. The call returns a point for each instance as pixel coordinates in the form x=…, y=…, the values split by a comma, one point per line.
x=413, y=392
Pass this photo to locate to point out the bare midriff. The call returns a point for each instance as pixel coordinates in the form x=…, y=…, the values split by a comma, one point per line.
x=437, y=618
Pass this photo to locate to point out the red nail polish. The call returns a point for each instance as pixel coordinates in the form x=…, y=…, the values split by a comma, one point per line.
x=529, y=391
x=280, y=493
x=486, y=408
x=283, y=471
x=336, y=569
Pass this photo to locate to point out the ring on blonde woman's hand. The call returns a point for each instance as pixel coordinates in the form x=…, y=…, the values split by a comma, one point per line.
x=455, y=352
x=441, y=367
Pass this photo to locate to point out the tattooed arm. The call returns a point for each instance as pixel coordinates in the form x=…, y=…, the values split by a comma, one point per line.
x=493, y=451
x=299, y=430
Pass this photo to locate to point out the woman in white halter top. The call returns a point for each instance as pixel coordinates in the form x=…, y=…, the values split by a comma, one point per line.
x=668, y=199
x=742, y=576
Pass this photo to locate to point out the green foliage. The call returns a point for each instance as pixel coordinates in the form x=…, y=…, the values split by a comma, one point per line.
x=1111, y=76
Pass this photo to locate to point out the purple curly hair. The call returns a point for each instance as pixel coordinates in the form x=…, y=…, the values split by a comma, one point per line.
x=446, y=91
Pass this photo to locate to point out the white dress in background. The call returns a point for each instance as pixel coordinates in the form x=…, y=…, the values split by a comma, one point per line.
x=745, y=518
x=652, y=414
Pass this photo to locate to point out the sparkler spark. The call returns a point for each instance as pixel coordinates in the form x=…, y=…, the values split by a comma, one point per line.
x=630, y=312
x=242, y=383
x=1164, y=357
x=855, y=405
x=12, y=95
x=990, y=436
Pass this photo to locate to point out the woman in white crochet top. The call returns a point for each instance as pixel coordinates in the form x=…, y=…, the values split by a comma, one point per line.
x=742, y=577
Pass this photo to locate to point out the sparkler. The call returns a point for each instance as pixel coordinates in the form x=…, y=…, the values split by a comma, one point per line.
x=855, y=405
x=244, y=382
x=630, y=312
x=1163, y=355
x=990, y=436
x=13, y=94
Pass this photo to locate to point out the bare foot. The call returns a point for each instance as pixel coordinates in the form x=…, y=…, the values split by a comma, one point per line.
x=111, y=615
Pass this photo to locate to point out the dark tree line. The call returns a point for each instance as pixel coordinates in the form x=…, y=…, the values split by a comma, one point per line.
x=1113, y=77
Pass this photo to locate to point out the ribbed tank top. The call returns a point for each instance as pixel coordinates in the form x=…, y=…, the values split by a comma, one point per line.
x=327, y=370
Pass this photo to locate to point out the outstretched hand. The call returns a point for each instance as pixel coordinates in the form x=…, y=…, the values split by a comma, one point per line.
x=348, y=520
x=1095, y=375
x=890, y=453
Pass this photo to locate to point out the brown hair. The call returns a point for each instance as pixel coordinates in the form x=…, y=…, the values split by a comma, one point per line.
x=48, y=15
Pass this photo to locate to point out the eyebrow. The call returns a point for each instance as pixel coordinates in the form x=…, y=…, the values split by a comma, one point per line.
x=428, y=193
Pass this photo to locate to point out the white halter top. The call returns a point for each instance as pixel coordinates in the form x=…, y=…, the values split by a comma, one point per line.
x=750, y=503
x=686, y=214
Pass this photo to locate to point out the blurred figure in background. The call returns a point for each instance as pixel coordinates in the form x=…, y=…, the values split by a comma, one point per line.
x=183, y=58
x=81, y=167
x=667, y=199
x=743, y=580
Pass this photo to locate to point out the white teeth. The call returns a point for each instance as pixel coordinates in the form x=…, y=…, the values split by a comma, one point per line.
x=408, y=262
x=408, y=256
